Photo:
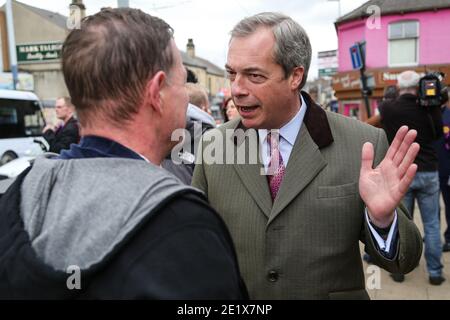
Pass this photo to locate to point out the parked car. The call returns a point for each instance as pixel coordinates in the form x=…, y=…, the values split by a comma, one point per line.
x=15, y=167
x=21, y=124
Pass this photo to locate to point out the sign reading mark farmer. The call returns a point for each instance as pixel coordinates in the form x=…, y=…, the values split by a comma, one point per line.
x=39, y=52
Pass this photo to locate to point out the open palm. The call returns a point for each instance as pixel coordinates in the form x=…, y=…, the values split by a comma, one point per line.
x=383, y=187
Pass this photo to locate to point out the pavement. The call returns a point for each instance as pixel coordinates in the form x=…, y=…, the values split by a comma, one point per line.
x=416, y=285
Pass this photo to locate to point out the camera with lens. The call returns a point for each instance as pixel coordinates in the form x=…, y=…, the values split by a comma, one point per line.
x=432, y=90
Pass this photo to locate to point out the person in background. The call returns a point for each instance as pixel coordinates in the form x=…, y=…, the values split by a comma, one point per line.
x=427, y=121
x=390, y=94
x=198, y=121
x=198, y=96
x=229, y=110
x=62, y=136
x=443, y=152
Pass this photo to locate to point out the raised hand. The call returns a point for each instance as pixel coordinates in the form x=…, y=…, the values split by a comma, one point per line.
x=383, y=187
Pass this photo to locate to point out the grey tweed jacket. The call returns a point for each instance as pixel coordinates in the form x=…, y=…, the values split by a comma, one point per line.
x=304, y=245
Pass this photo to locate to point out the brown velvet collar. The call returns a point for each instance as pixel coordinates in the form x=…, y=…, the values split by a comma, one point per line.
x=316, y=122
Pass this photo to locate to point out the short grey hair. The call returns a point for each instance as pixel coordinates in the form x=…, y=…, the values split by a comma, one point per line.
x=408, y=79
x=292, y=46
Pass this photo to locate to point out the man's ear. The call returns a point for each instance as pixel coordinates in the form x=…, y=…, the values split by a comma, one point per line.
x=297, y=77
x=153, y=91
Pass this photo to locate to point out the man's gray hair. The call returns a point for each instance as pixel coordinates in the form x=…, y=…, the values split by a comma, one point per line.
x=408, y=79
x=292, y=47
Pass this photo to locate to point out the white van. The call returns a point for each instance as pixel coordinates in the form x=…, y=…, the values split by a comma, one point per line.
x=21, y=124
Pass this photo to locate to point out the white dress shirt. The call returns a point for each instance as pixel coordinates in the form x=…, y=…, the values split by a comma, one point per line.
x=288, y=135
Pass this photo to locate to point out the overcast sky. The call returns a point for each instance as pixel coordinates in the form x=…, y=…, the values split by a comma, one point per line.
x=209, y=22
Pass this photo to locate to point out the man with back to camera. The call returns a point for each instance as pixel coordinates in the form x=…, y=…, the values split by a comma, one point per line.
x=406, y=110
x=104, y=220
x=295, y=215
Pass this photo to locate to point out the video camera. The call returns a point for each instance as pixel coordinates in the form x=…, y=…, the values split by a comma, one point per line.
x=432, y=90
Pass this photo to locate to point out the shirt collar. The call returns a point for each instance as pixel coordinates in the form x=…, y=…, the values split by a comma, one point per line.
x=290, y=130
x=99, y=147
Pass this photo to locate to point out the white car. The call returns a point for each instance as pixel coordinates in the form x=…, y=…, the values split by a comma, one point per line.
x=21, y=123
x=10, y=171
x=15, y=167
x=15, y=148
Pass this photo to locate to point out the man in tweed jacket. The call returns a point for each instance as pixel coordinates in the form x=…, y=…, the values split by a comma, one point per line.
x=297, y=214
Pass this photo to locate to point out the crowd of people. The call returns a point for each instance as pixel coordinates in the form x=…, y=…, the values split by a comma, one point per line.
x=401, y=106
x=113, y=216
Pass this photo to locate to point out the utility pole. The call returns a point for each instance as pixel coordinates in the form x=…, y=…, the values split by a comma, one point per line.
x=364, y=87
x=12, y=44
x=358, y=57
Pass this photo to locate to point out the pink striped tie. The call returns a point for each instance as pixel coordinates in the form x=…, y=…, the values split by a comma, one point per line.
x=276, y=166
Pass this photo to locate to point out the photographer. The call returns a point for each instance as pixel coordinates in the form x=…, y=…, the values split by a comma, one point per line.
x=427, y=120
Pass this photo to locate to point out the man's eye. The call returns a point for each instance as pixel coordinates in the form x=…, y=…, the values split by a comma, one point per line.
x=256, y=77
x=231, y=75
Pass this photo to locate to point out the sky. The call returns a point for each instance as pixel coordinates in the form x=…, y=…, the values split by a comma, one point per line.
x=208, y=22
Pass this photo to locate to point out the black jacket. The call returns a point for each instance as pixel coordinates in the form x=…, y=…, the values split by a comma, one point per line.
x=185, y=170
x=64, y=137
x=160, y=259
x=405, y=110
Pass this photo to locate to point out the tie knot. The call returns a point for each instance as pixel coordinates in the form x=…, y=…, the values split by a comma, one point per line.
x=273, y=139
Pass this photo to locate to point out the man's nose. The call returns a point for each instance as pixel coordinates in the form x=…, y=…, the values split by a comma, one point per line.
x=238, y=87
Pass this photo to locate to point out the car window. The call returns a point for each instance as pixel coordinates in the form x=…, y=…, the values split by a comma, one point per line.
x=20, y=118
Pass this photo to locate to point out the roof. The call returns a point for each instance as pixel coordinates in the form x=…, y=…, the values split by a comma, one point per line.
x=202, y=63
x=61, y=21
x=17, y=95
x=394, y=7
x=53, y=17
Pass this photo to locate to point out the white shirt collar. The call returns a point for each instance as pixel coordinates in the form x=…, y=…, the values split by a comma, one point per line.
x=288, y=133
x=291, y=129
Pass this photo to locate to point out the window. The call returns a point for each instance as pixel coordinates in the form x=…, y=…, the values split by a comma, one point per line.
x=20, y=118
x=404, y=43
x=8, y=115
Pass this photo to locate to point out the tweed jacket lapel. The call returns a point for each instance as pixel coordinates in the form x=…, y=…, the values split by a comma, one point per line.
x=251, y=174
x=305, y=163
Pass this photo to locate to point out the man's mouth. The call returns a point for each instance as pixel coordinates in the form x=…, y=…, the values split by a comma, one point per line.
x=247, y=109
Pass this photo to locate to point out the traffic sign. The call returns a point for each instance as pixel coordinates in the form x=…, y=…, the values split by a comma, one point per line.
x=355, y=54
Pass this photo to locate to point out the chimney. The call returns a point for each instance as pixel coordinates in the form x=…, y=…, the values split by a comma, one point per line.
x=190, y=48
x=123, y=3
x=81, y=6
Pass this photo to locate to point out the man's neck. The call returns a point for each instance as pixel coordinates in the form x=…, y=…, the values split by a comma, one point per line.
x=294, y=111
x=142, y=143
x=407, y=91
x=65, y=120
